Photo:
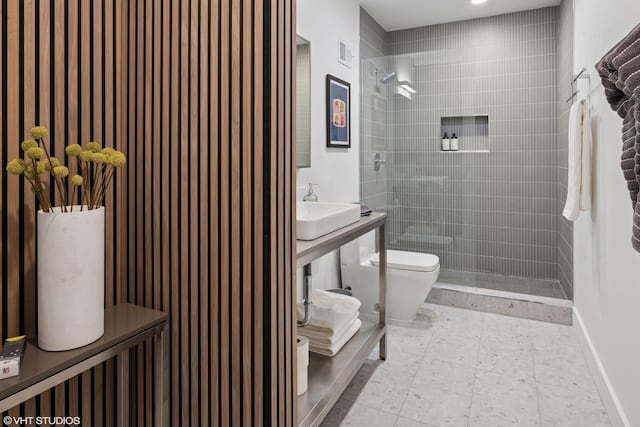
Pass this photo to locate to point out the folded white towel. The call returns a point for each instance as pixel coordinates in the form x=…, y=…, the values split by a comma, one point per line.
x=330, y=311
x=321, y=336
x=335, y=348
x=579, y=161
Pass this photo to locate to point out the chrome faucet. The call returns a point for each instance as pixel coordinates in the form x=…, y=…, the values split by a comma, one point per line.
x=378, y=161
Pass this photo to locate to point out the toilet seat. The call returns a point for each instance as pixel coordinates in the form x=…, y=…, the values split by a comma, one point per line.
x=410, y=261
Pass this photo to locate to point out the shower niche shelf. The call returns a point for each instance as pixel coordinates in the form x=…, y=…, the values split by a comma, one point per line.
x=472, y=132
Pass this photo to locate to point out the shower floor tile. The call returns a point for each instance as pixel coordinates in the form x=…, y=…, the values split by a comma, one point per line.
x=470, y=368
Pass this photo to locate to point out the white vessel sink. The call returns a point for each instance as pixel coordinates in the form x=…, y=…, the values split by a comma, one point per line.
x=315, y=219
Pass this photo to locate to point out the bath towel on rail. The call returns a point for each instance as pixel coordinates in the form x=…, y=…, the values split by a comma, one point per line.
x=579, y=161
x=620, y=73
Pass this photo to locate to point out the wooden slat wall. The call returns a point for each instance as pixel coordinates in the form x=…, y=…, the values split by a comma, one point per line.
x=199, y=96
x=58, y=69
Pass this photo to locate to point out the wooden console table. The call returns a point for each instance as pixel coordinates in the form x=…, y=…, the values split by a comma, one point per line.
x=125, y=326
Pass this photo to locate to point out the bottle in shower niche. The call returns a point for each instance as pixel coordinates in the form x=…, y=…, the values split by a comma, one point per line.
x=446, y=146
x=453, y=143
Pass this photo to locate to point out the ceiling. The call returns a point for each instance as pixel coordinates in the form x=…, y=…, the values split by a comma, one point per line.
x=402, y=14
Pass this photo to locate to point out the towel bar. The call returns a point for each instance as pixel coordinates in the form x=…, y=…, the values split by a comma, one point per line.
x=581, y=75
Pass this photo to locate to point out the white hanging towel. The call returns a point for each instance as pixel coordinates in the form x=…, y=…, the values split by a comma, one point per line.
x=579, y=182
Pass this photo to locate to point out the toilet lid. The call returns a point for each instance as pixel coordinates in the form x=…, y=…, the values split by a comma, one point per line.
x=412, y=261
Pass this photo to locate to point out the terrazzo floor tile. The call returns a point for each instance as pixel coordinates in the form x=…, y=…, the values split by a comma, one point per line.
x=450, y=347
x=560, y=407
x=437, y=408
x=507, y=351
x=563, y=370
x=461, y=368
x=500, y=400
x=406, y=422
x=360, y=415
x=439, y=375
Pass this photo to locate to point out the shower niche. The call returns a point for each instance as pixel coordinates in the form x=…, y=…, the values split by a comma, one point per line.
x=472, y=132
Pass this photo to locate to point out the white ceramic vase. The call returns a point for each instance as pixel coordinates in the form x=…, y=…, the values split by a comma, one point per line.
x=70, y=278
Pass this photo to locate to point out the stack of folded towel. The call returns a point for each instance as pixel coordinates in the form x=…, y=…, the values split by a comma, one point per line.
x=334, y=320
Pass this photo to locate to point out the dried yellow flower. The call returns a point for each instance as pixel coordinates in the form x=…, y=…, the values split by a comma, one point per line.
x=29, y=172
x=94, y=147
x=49, y=166
x=28, y=144
x=85, y=156
x=60, y=171
x=100, y=158
x=40, y=167
x=34, y=153
x=108, y=151
x=77, y=180
x=34, y=189
x=73, y=150
x=117, y=159
x=16, y=167
x=38, y=132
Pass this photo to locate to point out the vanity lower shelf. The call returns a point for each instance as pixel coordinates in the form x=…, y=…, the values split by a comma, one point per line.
x=329, y=376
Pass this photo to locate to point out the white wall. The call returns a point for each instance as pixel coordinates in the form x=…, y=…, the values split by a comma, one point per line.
x=334, y=170
x=607, y=273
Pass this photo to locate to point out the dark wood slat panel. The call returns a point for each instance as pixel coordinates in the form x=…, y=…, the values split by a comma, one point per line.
x=224, y=165
x=175, y=220
x=29, y=216
x=214, y=216
x=259, y=206
x=235, y=283
x=183, y=349
x=198, y=95
x=271, y=261
x=3, y=160
x=247, y=196
x=12, y=209
x=109, y=141
x=204, y=209
x=194, y=148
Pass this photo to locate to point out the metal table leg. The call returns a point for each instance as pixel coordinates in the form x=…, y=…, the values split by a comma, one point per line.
x=161, y=392
x=123, y=388
x=383, y=289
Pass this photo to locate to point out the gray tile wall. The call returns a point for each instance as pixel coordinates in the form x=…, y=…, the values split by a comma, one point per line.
x=565, y=75
x=493, y=212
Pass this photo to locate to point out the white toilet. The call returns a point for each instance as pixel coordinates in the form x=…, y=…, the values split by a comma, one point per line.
x=410, y=277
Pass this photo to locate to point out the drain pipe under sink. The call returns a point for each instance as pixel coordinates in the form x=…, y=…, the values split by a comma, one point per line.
x=306, y=295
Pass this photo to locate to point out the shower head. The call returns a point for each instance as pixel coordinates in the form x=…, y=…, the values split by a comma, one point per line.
x=388, y=77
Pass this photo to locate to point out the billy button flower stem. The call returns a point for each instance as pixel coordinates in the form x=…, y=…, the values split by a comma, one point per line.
x=115, y=159
x=97, y=158
x=34, y=153
x=74, y=150
x=76, y=181
x=39, y=133
x=85, y=164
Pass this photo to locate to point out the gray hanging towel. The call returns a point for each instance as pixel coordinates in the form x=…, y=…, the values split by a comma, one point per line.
x=620, y=73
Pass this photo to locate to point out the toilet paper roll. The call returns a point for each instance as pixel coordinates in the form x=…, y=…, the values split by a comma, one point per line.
x=303, y=364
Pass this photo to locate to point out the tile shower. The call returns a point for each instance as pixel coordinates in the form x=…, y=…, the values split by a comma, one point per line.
x=491, y=209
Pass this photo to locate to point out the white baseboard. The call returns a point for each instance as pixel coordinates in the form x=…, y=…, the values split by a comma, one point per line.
x=608, y=395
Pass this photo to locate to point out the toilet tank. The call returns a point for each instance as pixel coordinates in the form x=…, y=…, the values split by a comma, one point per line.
x=358, y=251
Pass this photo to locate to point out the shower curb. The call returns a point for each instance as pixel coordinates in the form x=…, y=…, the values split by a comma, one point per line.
x=546, y=309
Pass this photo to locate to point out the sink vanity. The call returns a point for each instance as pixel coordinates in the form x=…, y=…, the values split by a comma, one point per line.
x=329, y=376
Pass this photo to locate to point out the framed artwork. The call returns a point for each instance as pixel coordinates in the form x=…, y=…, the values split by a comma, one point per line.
x=338, y=112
